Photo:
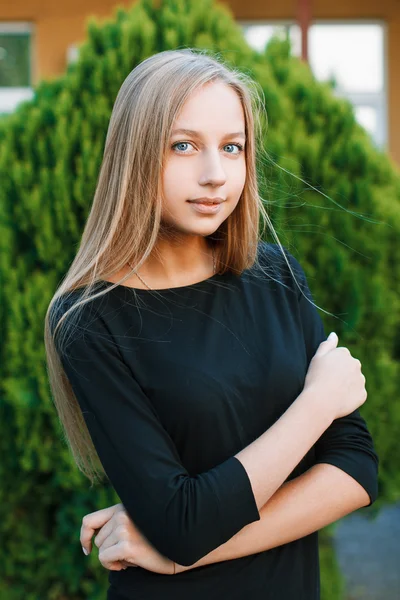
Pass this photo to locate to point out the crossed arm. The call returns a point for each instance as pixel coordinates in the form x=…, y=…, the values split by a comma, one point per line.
x=301, y=506
x=318, y=497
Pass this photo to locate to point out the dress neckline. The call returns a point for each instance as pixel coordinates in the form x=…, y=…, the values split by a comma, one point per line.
x=190, y=286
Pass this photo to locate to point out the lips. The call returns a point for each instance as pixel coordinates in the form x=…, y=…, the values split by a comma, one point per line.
x=206, y=208
x=207, y=201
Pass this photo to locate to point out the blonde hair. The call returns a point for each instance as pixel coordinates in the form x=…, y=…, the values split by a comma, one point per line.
x=124, y=220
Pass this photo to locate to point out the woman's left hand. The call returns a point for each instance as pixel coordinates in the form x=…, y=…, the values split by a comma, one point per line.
x=120, y=543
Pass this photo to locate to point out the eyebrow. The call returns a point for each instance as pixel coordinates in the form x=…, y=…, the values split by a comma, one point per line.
x=198, y=134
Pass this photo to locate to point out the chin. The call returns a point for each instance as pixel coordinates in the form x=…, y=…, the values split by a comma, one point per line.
x=200, y=226
x=205, y=229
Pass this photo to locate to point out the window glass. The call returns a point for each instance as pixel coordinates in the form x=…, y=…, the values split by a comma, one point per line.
x=352, y=53
x=15, y=65
x=15, y=54
x=258, y=34
x=367, y=116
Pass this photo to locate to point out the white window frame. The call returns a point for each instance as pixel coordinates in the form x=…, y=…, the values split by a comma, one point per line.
x=10, y=97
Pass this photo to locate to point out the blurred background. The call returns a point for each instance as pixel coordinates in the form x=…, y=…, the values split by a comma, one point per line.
x=357, y=43
x=329, y=70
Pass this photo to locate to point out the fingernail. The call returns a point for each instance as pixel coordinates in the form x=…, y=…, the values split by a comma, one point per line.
x=85, y=551
x=331, y=335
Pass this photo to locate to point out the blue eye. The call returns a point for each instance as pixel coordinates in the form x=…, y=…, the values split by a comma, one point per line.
x=180, y=144
x=174, y=146
x=238, y=146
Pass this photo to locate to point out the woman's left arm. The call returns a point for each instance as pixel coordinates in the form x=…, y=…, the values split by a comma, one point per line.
x=305, y=504
x=318, y=497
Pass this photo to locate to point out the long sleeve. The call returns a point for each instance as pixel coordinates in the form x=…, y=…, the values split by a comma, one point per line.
x=347, y=443
x=184, y=517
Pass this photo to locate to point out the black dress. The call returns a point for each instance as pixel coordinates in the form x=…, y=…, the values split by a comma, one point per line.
x=172, y=384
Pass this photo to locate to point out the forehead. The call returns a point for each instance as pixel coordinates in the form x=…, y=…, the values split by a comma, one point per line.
x=214, y=108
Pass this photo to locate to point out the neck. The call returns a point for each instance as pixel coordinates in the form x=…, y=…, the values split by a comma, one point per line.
x=171, y=258
x=167, y=268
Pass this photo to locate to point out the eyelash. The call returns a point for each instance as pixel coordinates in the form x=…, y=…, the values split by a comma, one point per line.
x=239, y=146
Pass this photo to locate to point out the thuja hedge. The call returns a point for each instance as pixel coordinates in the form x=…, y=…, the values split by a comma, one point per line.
x=332, y=196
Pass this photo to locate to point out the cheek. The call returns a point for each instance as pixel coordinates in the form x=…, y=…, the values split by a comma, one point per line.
x=174, y=178
x=241, y=170
x=237, y=177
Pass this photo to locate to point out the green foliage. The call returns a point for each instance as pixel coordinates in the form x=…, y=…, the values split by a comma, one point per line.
x=332, y=582
x=346, y=238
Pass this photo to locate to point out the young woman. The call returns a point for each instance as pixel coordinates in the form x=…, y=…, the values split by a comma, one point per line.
x=188, y=362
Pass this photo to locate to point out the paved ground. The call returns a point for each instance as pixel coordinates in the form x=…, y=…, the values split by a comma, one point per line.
x=369, y=555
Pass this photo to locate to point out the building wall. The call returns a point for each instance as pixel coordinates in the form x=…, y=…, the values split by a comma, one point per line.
x=59, y=25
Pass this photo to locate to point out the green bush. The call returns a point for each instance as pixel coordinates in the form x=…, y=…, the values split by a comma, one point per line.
x=50, y=153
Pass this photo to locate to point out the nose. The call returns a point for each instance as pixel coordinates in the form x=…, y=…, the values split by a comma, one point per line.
x=213, y=172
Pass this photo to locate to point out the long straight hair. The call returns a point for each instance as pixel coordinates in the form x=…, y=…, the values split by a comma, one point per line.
x=124, y=221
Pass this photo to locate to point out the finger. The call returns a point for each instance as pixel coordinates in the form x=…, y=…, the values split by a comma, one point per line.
x=118, y=565
x=112, y=539
x=93, y=521
x=119, y=552
x=125, y=564
x=104, y=534
x=330, y=343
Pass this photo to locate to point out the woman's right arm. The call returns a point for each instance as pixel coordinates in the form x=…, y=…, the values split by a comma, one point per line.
x=271, y=458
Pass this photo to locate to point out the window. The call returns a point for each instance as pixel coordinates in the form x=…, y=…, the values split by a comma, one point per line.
x=258, y=33
x=352, y=53
x=15, y=65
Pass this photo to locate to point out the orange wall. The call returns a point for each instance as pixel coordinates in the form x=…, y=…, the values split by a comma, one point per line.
x=59, y=24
